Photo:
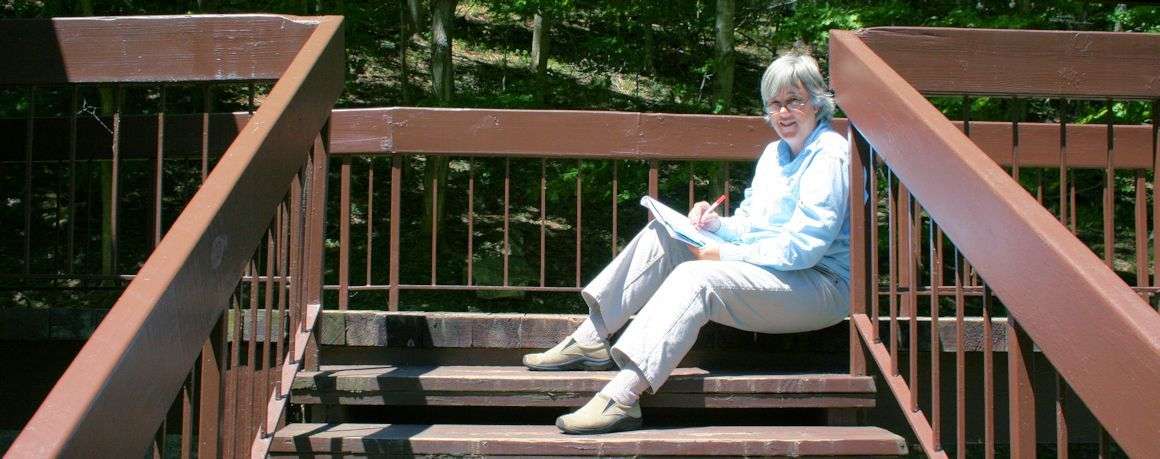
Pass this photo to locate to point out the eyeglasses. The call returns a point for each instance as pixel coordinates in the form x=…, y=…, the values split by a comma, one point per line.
x=793, y=103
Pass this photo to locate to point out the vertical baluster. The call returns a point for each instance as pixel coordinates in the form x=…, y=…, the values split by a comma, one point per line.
x=435, y=224
x=960, y=359
x=1155, y=180
x=1016, y=115
x=653, y=178
x=1063, y=195
x=470, y=221
x=1022, y=405
x=344, y=233
x=579, y=172
x=249, y=404
x=1062, y=412
x=74, y=101
x=272, y=249
x=187, y=413
x=316, y=206
x=892, y=238
x=615, y=204
x=1110, y=191
x=114, y=185
x=507, y=186
x=914, y=220
x=543, y=214
x=370, y=219
x=396, y=214
x=935, y=334
x=211, y=403
x=234, y=378
x=1039, y=186
x=1141, y=224
x=1061, y=408
x=862, y=285
x=206, y=107
x=873, y=244
x=159, y=171
x=283, y=271
x=988, y=377
x=29, y=133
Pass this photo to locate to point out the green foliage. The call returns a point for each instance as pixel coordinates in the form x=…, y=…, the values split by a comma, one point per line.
x=627, y=56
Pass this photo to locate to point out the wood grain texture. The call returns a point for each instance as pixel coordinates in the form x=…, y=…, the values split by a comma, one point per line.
x=388, y=439
x=1021, y=62
x=356, y=132
x=150, y=48
x=518, y=386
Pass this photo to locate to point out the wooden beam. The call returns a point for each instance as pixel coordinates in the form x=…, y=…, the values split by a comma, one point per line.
x=1021, y=62
x=1028, y=258
x=139, y=49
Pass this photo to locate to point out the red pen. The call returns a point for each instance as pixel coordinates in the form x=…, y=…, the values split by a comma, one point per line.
x=715, y=204
x=711, y=207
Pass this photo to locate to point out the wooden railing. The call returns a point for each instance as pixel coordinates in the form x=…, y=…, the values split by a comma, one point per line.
x=255, y=212
x=1097, y=332
x=277, y=281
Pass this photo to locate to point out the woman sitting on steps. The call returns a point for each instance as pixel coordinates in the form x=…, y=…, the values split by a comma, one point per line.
x=785, y=268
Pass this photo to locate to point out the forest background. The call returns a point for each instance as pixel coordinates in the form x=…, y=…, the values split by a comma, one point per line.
x=678, y=56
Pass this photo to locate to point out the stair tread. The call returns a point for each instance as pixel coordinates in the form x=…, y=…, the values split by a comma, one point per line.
x=517, y=386
x=512, y=378
x=547, y=440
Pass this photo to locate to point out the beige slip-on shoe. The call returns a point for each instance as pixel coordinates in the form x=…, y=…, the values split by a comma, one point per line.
x=570, y=355
x=601, y=415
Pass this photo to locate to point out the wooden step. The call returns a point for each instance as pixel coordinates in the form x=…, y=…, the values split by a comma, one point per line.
x=387, y=440
x=518, y=386
x=464, y=338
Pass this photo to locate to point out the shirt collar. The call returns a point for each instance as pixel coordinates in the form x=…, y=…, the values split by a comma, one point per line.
x=783, y=147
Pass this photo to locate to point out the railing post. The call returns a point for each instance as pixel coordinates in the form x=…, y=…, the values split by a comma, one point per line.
x=316, y=226
x=1022, y=395
x=396, y=214
x=860, y=282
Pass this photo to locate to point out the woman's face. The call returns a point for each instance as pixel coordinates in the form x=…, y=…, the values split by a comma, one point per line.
x=792, y=115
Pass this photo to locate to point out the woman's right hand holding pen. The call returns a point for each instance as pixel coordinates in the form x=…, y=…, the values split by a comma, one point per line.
x=704, y=216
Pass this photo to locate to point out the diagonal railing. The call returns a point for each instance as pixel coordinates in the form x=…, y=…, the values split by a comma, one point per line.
x=118, y=390
x=1094, y=329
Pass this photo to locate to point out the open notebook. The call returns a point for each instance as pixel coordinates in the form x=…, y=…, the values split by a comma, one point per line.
x=678, y=225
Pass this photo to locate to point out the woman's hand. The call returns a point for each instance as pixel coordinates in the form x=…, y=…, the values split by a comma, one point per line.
x=708, y=221
x=708, y=252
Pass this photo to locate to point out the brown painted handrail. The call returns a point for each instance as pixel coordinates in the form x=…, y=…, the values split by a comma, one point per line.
x=367, y=131
x=114, y=394
x=141, y=49
x=1054, y=285
x=1047, y=63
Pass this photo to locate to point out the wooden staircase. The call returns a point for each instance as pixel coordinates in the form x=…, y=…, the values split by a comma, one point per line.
x=434, y=384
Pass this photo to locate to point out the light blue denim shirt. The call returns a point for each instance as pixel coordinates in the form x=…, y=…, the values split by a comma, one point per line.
x=795, y=212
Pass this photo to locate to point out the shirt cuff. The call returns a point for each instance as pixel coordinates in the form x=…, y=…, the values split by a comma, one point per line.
x=727, y=230
x=731, y=252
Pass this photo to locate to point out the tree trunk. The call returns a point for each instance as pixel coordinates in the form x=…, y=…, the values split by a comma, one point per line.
x=442, y=76
x=725, y=57
x=442, y=82
x=541, y=27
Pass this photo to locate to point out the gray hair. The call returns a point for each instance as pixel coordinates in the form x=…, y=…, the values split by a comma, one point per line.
x=792, y=68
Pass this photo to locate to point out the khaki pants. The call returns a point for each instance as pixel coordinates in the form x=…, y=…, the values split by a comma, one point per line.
x=673, y=295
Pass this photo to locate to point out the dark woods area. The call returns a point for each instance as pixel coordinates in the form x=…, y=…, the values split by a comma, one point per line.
x=682, y=56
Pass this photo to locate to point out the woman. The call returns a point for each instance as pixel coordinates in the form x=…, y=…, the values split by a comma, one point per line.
x=785, y=268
